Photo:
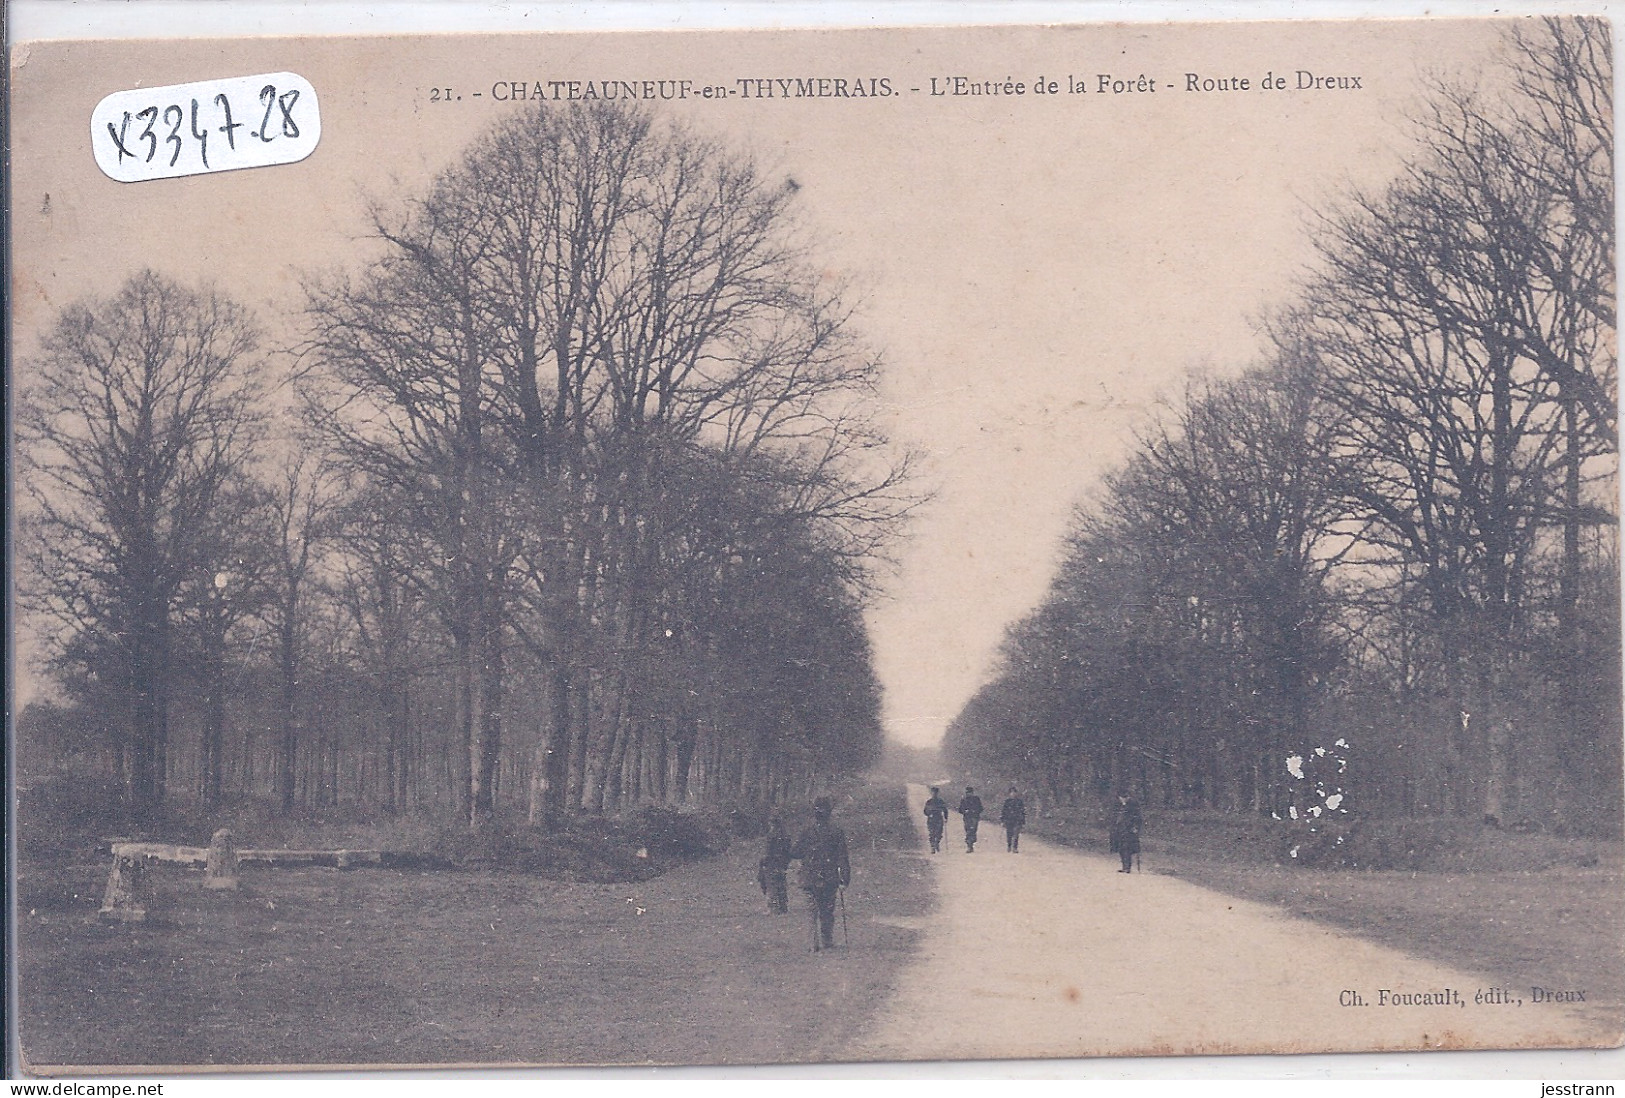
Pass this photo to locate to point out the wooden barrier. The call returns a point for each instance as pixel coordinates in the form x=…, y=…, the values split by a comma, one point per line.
x=124, y=900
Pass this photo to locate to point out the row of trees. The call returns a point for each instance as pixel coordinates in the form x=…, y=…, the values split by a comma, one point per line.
x=574, y=497
x=1398, y=531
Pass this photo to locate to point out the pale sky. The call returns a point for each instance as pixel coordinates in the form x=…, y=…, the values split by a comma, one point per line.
x=1039, y=268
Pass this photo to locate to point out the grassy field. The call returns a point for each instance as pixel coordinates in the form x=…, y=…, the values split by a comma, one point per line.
x=1520, y=911
x=321, y=966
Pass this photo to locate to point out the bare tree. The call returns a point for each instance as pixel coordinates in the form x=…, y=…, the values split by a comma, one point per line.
x=410, y=355
x=297, y=523
x=1559, y=134
x=141, y=408
x=1475, y=373
x=379, y=583
x=1241, y=497
x=1428, y=477
x=591, y=301
x=216, y=608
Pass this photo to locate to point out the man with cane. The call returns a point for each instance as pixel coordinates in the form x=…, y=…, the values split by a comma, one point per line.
x=825, y=870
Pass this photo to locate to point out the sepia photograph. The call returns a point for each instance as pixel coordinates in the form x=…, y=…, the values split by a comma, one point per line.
x=903, y=545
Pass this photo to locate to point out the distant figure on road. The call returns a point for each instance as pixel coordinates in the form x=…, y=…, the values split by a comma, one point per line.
x=774, y=866
x=825, y=869
x=1013, y=815
x=936, y=817
x=1125, y=833
x=970, y=807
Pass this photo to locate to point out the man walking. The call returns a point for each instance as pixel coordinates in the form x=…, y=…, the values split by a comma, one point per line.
x=1013, y=815
x=970, y=809
x=825, y=869
x=936, y=817
x=774, y=866
x=1125, y=832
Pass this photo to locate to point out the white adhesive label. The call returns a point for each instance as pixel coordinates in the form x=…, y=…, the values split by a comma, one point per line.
x=207, y=126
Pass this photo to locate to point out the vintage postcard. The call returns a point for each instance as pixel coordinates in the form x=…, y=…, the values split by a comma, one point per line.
x=815, y=546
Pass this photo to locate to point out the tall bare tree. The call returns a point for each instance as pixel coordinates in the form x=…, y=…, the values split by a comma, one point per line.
x=591, y=301
x=216, y=625
x=297, y=523
x=141, y=408
x=1458, y=318
x=1436, y=489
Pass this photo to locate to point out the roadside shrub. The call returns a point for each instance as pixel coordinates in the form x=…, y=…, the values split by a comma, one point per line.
x=668, y=834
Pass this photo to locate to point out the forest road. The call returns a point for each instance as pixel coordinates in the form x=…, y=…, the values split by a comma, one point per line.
x=1053, y=953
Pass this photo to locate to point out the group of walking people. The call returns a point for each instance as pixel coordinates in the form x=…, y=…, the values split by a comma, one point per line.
x=1012, y=814
x=1124, y=831
x=826, y=868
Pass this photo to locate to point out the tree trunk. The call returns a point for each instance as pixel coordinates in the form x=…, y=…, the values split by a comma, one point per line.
x=214, y=726
x=556, y=762
x=289, y=699
x=536, y=814
x=487, y=752
x=149, y=716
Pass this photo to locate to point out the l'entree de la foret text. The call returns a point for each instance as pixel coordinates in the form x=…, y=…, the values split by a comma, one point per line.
x=949, y=86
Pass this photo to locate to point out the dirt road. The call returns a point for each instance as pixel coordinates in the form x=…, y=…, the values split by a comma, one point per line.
x=1051, y=952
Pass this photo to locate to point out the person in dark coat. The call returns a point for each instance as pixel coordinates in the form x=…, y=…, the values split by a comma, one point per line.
x=936, y=817
x=825, y=868
x=1125, y=831
x=970, y=809
x=775, y=866
x=1013, y=815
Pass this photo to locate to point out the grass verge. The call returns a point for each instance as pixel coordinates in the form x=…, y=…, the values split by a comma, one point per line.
x=371, y=966
x=1530, y=911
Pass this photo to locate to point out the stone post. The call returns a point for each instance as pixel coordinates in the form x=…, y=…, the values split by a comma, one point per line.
x=221, y=870
x=121, y=903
